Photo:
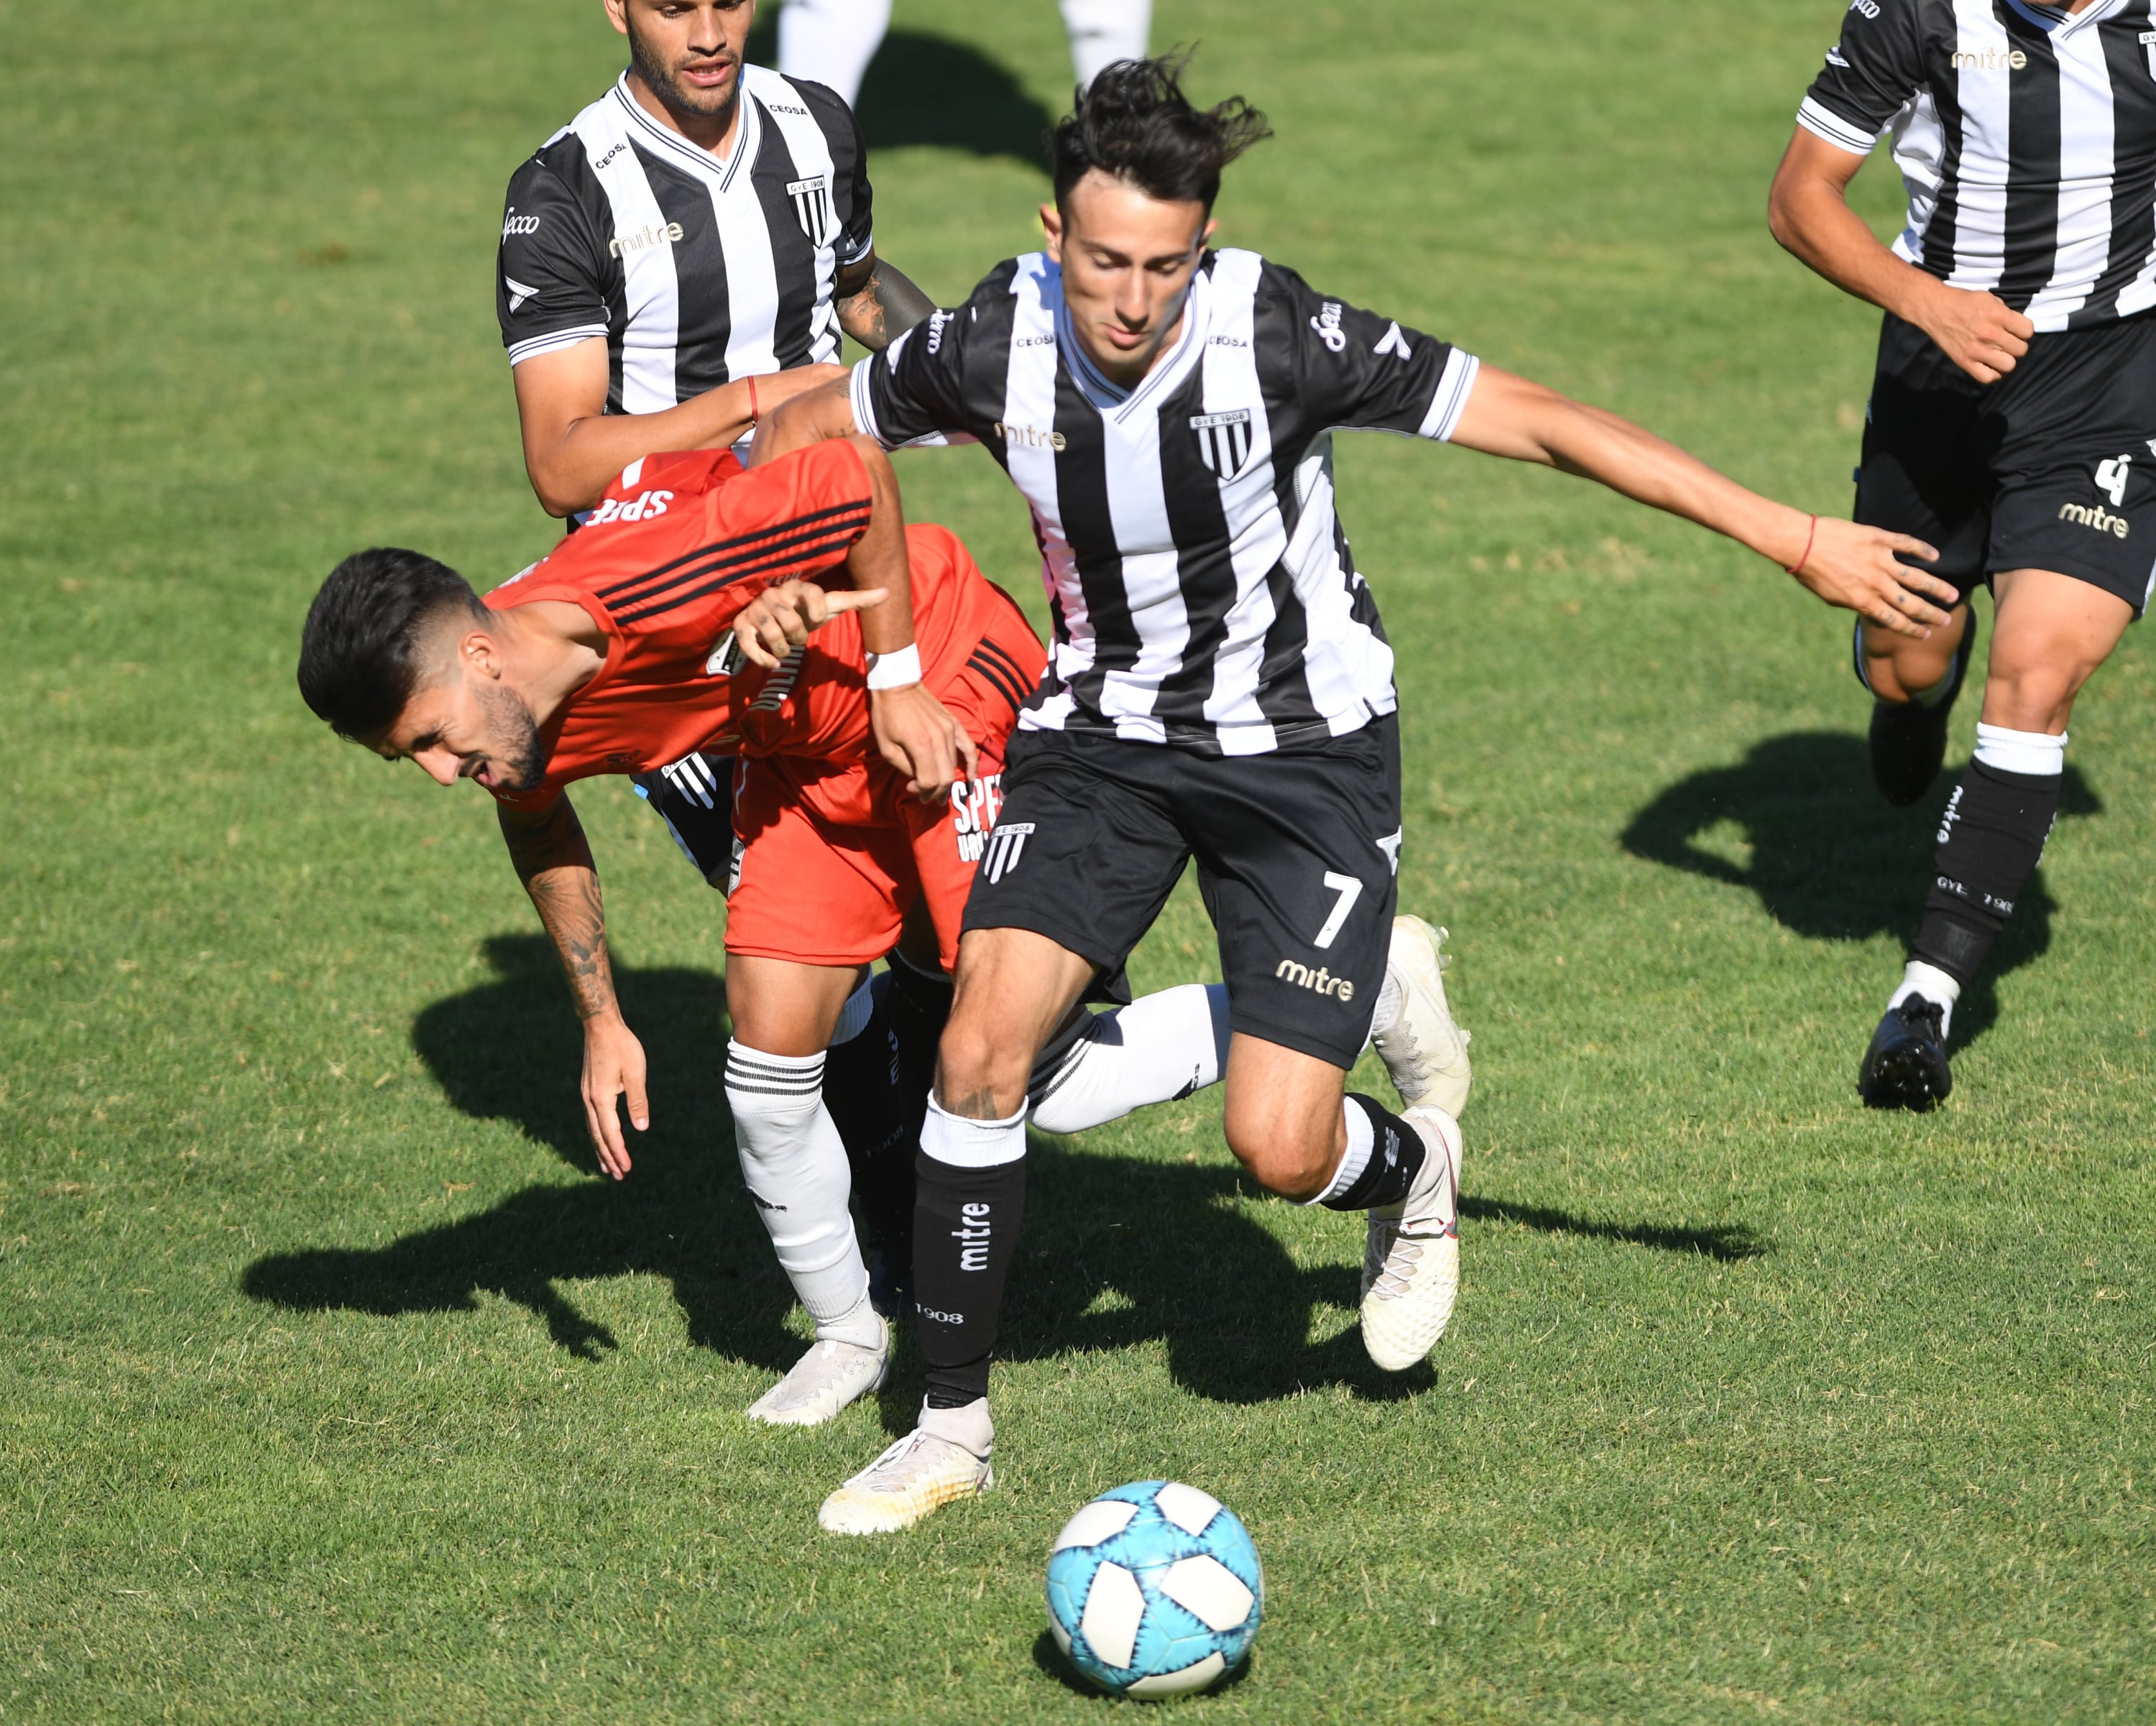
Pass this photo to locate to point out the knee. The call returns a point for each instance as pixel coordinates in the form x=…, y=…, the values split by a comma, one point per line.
x=976, y=1069
x=1292, y=1158
x=2036, y=696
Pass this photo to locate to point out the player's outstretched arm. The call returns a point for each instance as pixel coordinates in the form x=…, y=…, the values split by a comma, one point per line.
x=553, y=860
x=876, y=303
x=824, y=410
x=1844, y=564
x=573, y=447
x=1809, y=212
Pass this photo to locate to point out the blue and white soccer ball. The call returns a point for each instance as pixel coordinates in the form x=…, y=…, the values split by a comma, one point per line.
x=1154, y=1590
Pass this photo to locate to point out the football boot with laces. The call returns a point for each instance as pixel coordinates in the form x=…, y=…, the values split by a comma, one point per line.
x=942, y=1460
x=1425, y=1050
x=1906, y=1065
x=823, y=1380
x=1411, y=1256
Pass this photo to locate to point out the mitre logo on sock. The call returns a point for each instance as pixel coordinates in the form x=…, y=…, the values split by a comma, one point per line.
x=972, y=1234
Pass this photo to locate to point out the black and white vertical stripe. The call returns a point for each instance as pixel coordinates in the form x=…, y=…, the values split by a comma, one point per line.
x=1202, y=591
x=2025, y=136
x=695, y=270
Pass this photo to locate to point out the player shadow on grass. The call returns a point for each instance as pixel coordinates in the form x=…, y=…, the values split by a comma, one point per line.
x=1116, y=1252
x=1830, y=859
x=931, y=89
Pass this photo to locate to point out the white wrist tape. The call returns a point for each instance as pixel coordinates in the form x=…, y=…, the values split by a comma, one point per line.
x=894, y=671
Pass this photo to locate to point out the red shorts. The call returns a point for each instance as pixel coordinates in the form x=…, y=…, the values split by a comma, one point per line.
x=831, y=855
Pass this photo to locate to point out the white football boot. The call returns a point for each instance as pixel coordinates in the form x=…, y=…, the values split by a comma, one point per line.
x=1424, y=1051
x=1411, y=1262
x=823, y=1380
x=943, y=1459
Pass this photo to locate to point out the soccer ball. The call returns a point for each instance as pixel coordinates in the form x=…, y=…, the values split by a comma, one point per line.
x=1154, y=1590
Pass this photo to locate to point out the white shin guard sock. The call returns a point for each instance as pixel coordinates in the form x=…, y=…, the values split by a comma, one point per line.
x=797, y=1175
x=1159, y=1047
x=1934, y=984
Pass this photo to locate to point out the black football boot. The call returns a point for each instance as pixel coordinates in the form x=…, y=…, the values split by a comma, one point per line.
x=1908, y=739
x=1906, y=1066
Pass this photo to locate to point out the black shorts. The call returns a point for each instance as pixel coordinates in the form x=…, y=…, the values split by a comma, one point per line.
x=2051, y=467
x=1296, y=858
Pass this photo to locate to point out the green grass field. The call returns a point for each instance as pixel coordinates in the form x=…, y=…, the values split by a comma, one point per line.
x=336, y=1386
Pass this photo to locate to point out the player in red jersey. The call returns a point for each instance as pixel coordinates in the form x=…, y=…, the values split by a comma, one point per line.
x=647, y=639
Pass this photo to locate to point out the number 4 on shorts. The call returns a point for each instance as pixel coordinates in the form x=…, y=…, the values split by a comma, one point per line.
x=1350, y=889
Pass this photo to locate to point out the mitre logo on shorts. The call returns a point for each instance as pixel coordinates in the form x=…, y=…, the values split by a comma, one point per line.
x=1320, y=981
x=811, y=207
x=1223, y=440
x=2111, y=477
x=973, y=807
x=1006, y=844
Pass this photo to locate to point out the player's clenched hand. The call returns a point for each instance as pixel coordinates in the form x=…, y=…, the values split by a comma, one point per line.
x=1855, y=567
x=1980, y=332
x=613, y=1074
x=781, y=617
x=919, y=738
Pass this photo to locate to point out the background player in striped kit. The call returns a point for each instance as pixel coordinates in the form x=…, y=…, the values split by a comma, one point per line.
x=831, y=42
x=704, y=223
x=2010, y=421
x=1220, y=688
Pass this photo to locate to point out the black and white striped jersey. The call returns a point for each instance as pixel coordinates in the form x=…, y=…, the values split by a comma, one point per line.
x=2026, y=138
x=1203, y=589
x=695, y=270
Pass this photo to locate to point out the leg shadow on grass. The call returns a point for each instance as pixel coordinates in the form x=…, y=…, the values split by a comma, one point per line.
x=1829, y=859
x=511, y=1050
x=1727, y=1241
x=1116, y=1252
x=923, y=89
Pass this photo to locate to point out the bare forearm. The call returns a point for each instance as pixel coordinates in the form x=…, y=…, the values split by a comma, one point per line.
x=810, y=417
x=882, y=308
x=1812, y=219
x=1632, y=461
x=572, y=466
x=554, y=859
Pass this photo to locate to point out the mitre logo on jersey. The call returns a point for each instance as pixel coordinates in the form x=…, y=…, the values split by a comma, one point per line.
x=1006, y=845
x=1223, y=440
x=652, y=233
x=811, y=207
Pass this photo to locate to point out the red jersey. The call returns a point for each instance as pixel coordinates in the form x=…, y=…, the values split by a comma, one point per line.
x=680, y=546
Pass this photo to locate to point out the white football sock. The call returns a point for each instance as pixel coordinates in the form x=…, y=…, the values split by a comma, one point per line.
x=1934, y=984
x=965, y=1143
x=969, y=1427
x=1104, y=31
x=1160, y=1046
x=831, y=42
x=797, y=1175
x=2037, y=754
x=1362, y=1140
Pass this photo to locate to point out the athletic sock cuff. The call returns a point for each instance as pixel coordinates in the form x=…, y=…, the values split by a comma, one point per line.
x=787, y=1078
x=960, y=1142
x=2028, y=755
x=1361, y=1135
x=854, y=1016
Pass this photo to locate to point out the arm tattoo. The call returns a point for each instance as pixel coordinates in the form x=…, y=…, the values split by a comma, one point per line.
x=881, y=307
x=553, y=860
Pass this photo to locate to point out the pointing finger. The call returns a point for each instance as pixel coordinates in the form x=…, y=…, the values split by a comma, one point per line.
x=847, y=600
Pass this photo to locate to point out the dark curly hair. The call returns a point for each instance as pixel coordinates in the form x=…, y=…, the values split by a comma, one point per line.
x=1134, y=122
x=359, y=654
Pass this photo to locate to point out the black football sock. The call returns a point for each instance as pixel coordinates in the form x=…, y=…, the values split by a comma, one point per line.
x=863, y=1090
x=1991, y=838
x=918, y=1005
x=966, y=1221
x=1384, y=1156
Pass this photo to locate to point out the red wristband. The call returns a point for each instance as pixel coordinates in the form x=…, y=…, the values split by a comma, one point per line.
x=1797, y=567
